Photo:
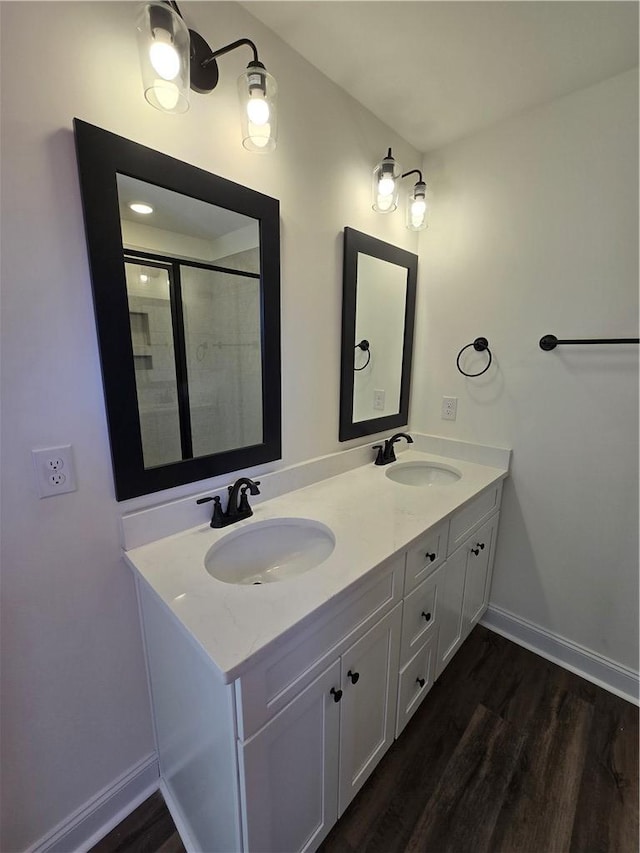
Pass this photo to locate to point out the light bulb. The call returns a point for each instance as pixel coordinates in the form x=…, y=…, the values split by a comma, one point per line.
x=260, y=134
x=167, y=94
x=384, y=202
x=418, y=209
x=163, y=55
x=258, y=109
x=386, y=185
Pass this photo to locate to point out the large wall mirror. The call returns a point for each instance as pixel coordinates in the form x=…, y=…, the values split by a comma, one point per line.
x=185, y=269
x=378, y=308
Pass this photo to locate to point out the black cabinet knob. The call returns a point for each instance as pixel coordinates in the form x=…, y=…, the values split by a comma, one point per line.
x=354, y=676
x=427, y=616
x=337, y=694
x=430, y=557
x=479, y=547
x=421, y=682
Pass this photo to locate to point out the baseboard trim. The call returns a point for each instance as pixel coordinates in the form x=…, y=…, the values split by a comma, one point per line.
x=593, y=667
x=99, y=815
x=176, y=815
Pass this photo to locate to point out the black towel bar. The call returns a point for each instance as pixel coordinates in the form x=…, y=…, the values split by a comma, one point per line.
x=549, y=342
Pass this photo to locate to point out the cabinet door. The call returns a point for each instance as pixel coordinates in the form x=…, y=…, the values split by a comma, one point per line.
x=480, y=549
x=289, y=772
x=368, y=706
x=450, y=595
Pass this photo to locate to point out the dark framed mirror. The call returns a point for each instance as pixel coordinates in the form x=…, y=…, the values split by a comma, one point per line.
x=185, y=270
x=378, y=310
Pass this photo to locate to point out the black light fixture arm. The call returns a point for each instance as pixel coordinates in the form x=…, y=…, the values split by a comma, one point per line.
x=414, y=172
x=204, y=68
x=228, y=48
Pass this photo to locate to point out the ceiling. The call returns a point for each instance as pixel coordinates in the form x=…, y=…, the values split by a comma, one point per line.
x=439, y=71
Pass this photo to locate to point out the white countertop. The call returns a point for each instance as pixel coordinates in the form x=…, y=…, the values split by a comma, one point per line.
x=371, y=517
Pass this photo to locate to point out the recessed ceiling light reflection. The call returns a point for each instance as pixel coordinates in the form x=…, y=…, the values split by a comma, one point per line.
x=141, y=207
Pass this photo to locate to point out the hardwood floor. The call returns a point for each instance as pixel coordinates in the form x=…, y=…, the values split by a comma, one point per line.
x=509, y=753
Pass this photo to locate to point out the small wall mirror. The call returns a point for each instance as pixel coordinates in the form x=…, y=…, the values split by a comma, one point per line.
x=186, y=281
x=378, y=308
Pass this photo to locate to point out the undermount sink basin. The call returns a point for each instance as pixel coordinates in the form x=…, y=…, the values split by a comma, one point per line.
x=269, y=551
x=423, y=474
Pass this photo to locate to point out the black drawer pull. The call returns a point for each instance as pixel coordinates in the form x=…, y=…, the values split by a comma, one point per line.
x=430, y=557
x=337, y=694
x=354, y=676
x=427, y=616
x=421, y=682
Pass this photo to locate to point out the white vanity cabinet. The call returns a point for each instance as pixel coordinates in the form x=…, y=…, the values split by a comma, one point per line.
x=289, y=771
x=368, y=704
x=452, y=568
x=465, y=581
x=270, y=760
x=301, y=770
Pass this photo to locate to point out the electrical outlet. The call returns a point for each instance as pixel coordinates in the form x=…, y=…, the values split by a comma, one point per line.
x=54, y=470
x=378, y=399
x=449, y=408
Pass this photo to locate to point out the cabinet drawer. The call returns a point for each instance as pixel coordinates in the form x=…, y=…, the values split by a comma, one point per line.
x=419, y=616
x=271, y=684
x=466, y=520
x=415, y=681
x=425, y=556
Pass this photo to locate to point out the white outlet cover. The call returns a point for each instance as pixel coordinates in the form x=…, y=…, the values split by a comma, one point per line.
x=54, y=470
x=449, y=408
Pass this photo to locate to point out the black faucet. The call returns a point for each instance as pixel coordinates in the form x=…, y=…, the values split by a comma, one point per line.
x=235, y=511
x=386, y=454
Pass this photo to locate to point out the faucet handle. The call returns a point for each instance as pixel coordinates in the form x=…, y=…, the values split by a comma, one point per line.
x=217, y=518
x=380, y=455
x=243, y=506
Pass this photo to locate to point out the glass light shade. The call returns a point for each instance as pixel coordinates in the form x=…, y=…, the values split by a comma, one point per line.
x=258, y=91
x=385, y=185
x=417, y=208
x=164, y=47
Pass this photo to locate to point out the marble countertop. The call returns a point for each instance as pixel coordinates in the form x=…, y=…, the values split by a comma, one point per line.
x=371, y=517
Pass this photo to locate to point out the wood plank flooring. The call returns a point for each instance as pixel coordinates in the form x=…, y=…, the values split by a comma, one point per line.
x=509, y=753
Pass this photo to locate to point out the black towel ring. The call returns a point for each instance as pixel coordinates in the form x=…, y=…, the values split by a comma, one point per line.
x=479, y=345
x=364, y=346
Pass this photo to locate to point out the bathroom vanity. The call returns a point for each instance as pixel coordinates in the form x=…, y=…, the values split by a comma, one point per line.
x=274, y=701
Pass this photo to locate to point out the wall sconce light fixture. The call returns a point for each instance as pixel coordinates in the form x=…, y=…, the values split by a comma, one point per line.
x=386, y=182
x=174, y=59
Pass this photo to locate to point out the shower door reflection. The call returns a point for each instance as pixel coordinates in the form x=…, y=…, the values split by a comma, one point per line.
x=196, y=335
x=221, y=313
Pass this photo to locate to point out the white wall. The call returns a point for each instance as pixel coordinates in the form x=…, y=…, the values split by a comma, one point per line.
x=75, y=708
x=534, y=230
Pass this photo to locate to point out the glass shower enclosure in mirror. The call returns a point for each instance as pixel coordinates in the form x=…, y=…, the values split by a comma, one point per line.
x=379, y=293
x=187, y=311
x=194, y=309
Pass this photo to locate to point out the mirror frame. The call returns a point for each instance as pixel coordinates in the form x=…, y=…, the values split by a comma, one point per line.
x=355, y=243
x=101, y=156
